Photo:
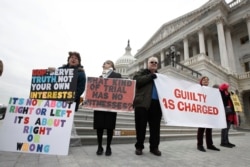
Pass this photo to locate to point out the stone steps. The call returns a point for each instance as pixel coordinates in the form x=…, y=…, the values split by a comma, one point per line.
x=125, y=130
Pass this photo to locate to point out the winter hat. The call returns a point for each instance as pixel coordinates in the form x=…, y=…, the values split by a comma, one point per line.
x=224, y=86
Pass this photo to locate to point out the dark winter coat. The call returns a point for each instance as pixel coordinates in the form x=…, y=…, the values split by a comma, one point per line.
x=144, y=86
x=105, y=119
x=81, y=81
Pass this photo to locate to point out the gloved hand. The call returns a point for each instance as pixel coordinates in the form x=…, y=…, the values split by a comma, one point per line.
x=153, y=76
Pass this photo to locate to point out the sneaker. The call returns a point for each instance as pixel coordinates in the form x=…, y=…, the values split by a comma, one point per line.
x=201, y=148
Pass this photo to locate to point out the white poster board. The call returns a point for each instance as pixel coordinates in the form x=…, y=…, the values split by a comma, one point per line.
x=185, y=103
x=37, y=126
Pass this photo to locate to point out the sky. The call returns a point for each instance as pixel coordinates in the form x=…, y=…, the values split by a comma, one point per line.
x=37, y=34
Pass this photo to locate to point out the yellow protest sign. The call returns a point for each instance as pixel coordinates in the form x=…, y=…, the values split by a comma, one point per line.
x=236, y=103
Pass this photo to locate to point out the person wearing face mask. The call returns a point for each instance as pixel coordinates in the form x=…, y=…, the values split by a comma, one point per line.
x=105, y=119
x=147, y=108
x=204, y=81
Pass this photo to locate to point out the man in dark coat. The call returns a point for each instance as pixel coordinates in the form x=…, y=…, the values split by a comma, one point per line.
x=147, y=108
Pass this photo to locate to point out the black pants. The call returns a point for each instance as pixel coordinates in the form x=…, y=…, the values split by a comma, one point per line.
x=152, y=116
x=99, y=133
x=200, y=134
x=224, y=134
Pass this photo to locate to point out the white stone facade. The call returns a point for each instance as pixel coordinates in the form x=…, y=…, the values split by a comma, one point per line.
x=212, y=40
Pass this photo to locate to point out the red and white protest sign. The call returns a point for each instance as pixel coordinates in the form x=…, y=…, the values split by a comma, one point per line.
x=109, y=94
x=185, y=103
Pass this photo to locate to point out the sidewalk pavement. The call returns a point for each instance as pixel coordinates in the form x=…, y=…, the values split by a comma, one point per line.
x=177, y=153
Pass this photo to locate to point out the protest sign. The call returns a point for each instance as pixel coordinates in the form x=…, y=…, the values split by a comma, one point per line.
x=37, y=126
x=109, y=94
x=185, y=103
x=58, y=85
x=236, y=103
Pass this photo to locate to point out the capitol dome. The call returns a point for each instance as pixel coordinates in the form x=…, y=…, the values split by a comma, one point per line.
x=123, y=62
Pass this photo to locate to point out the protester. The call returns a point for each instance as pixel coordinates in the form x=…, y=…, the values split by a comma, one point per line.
x=105, y=119
x=204, y=81
x=147, y=108
x=74, y=61
x=1, y=67
x=230, y=118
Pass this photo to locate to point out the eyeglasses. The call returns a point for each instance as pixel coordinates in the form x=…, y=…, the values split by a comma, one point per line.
x=154, y=62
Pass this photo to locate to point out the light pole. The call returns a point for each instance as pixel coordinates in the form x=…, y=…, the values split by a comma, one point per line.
x=172, y=52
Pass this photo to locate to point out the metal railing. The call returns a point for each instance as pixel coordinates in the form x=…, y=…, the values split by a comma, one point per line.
x=183, y=67
x=234, y=3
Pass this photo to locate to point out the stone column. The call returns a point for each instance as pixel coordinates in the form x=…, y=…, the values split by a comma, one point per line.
x=230, y=51
x=222, y=42
x=210, y=48
x=201, y=41
x=248, y=24
x=186, y=50
x=162, y=59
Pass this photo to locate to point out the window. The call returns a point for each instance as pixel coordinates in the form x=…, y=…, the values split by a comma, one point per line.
x=247, y=66
x=244, y=40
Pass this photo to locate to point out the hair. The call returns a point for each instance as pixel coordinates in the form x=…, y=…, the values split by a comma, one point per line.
x=1, y=67
x=112, y=64
x=75, y=54
x=153, y=57
x=215, y=86
x=202, y=79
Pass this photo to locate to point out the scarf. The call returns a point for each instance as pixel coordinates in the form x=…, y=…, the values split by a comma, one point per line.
x=107, y=72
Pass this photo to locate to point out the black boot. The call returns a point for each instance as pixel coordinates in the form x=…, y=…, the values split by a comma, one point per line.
x=99, y=151
x=109, y=140
x=99, y=140
x=108, y=151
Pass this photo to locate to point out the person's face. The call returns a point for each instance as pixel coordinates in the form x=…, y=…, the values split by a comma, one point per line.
x=152, y=64
x=73, y=61
x=205, y=81
x=106, y=65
